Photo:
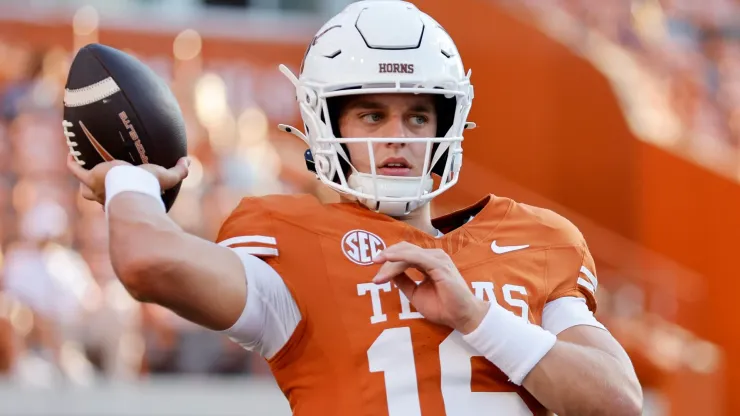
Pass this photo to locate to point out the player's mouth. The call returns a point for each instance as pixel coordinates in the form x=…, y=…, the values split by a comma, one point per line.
x=395, y=166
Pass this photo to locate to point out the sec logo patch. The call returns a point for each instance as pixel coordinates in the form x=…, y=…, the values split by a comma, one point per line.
x=362, y=246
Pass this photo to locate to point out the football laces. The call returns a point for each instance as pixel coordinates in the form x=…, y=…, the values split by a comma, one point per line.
x=71, y=143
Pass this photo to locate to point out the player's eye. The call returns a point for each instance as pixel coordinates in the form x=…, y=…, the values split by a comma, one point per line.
x=419, y=120
x=371, y=118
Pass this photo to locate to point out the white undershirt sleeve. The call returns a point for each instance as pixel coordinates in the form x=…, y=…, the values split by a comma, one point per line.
x=270, y=315
x=567, y=312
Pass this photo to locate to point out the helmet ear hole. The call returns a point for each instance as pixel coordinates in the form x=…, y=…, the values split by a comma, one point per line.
x=308, y=96
x=439, y=167
x=445, y=108
x=344, y=164
x=334, y=107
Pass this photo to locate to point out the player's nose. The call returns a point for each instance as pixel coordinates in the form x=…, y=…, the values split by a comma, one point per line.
x=396, y=129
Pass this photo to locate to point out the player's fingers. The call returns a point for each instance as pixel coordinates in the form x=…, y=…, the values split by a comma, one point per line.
x=443, y=260
x=402, y=247
x=389, y=270
x=425, y=263
x=406, y=284
x=414, y=256
x=174, y=175
x=88, y=193
x=438, y=253
x=181, y=169
x=83, y=175
x=168, y=178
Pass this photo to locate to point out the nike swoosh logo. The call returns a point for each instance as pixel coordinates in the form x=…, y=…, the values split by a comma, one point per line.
x=506, y=249
x=98, y=147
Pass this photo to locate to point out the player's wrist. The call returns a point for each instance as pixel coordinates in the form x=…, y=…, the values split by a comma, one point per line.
x=473, y=318
x=514, y=345
x=127, y=178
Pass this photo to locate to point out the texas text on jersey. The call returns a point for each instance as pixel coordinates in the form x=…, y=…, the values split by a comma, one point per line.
x=361, y=348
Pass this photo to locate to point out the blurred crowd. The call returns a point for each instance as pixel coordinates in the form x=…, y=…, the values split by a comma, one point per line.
x=690, y=50
x=63, y=313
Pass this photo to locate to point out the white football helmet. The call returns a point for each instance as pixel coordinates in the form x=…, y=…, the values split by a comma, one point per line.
x=372, y=47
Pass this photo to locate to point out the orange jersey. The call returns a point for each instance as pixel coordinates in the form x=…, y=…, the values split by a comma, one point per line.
x=361, y=348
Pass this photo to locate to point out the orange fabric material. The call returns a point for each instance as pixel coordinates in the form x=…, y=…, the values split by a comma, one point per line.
x=325, y=368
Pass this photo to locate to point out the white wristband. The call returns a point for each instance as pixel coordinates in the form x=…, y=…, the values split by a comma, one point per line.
x=126, y=178
x=512, y=344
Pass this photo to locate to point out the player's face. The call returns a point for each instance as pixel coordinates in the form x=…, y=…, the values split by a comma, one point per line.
x=389, y=115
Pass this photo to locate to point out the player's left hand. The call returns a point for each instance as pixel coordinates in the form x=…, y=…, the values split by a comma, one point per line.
x=443, y=297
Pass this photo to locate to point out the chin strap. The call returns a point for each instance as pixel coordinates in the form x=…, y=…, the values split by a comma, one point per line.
x=395, y=187
x=392, y=209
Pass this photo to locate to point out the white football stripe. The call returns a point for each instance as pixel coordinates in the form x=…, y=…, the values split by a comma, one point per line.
x=259, y=239
x=90, y=94
x=587, y=285
x=256, y=251
x=591, y=276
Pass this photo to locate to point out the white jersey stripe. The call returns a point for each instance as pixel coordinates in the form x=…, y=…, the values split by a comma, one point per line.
x=586, y=284
x=258, y=239
x=257, y=251
x=591, y=277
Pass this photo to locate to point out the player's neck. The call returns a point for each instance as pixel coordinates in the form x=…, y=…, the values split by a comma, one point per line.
x=420, y=218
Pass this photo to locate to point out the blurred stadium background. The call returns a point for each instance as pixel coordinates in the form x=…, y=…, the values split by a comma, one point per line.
x=622, y=115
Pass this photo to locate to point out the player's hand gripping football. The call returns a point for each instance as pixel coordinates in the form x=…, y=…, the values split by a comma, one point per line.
x=92, y=182
x=443, y=297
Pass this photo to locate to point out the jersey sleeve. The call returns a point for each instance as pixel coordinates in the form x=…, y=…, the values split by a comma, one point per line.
x=572, y=273
x=271, y=314
x=250, y=226
x=567, y=312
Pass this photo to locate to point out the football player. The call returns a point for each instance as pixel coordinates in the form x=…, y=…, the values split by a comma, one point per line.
x=370, y=306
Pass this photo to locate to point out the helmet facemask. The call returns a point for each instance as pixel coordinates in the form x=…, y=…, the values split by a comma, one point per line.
x=345, y=60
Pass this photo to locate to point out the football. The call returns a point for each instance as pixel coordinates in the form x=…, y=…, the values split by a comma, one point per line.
x=117, y=108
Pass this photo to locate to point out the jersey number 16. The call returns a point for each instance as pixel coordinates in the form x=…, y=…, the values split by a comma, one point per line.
x=392, y=354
